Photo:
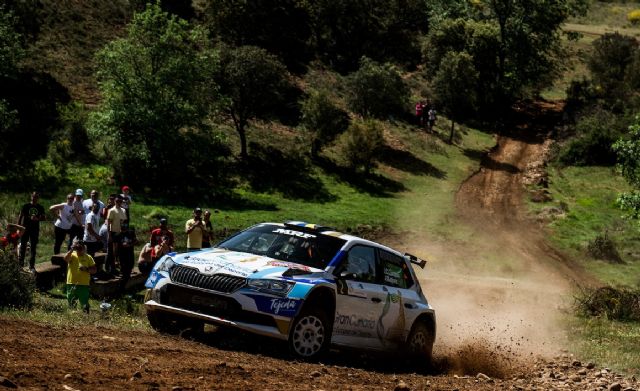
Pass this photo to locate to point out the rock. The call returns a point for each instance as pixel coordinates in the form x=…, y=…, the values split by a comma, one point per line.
x=401, y=386
x=137, y=375
x=68, y=376
x=4, y=382
x=615, y=387
x=315, y=374
x=576, y=363
x=552, y=375
x=325, y=370
x=67, y=388
x=629, y=389
x=591, y=365
x=176, y=388
x=576, y=378
x=582, y=372
x=482, y=376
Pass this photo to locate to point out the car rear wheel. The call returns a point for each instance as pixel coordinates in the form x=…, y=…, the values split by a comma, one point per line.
x=310, y=334
x=420, y=342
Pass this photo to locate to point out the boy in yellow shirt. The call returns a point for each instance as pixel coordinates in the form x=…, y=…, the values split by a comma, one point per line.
x=80, y=266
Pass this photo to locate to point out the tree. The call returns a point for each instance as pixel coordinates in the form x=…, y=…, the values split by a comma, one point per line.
x=386, y=30
x=364, y=139
x=520, y=41
x=280, y=27
x=157, y=92
x=453, y=85
x=608, y=62
x=252, y=81
x=323, y=119
x=376, y=90
x=628, y=152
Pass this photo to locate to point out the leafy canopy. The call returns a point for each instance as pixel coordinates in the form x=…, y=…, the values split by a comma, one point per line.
x=157, y=93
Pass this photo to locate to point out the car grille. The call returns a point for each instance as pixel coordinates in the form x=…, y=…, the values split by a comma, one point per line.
x=217, y=282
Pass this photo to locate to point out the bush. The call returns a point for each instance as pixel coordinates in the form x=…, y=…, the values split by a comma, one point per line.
x=603, y=248
x=323, y=120
x=614, y=303
x=377, y=90
x=16, y=285
x=596, y=134
x=634, y=16
x=363, y=141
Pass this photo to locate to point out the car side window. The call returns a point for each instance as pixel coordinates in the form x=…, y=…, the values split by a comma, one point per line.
x=360, y=264
x=395, y=271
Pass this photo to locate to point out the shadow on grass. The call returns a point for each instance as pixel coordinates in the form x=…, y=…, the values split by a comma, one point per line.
x=408, y=162
x=373, y=184
x=474, y=154
x=270, y=170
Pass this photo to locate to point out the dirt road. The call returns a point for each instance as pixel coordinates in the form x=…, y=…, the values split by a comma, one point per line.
x=496, y=320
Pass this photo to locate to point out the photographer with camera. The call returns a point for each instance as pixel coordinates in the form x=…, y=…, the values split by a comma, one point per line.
x=194, y=228
x=80, y=266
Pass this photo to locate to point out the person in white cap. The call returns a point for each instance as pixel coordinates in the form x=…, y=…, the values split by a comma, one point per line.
x=77, y=224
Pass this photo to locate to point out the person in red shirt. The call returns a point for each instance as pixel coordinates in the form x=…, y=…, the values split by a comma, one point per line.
x=11, y=237
x=158, y=233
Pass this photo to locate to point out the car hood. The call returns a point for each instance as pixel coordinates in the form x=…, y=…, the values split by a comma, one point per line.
x=235, y=263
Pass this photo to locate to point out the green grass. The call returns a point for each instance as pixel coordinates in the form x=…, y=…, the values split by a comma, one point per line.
x=610, y=14
x=609, y=343
x=590, y=194
x=52, y=309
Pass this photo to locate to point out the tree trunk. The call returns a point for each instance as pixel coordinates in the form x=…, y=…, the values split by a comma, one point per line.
x=243, y=142
x=452, y=130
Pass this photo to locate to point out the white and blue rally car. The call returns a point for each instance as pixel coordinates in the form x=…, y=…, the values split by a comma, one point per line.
x=306, y=284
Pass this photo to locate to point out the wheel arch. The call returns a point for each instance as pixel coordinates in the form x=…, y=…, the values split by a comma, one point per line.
x=325, y=298
x=429, y=320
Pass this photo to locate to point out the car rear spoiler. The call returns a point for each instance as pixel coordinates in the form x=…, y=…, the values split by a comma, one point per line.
x=415, y=260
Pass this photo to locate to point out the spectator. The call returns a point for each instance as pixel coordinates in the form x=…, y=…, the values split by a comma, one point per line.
x=62, y=225
x=207, y=233
x=92, y=238
x=128, y=200
x=87, y=205
x=77, y=224
x=111, y=202
x=161, y=231
x=145, y=263
x=420, y=113
x=194, y=228
x=161, y=249
x=116, y=218
x=126, y=254
x=30, y=217
x=79, y=270
x=431, y=120
x=11, y=237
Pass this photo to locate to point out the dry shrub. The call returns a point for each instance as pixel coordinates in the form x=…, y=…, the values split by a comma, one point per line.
x=613, y=303
x=602, y=247
x=16, y=285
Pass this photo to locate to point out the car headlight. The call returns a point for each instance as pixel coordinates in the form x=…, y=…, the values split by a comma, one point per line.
x=274, y=286
x=165, y=265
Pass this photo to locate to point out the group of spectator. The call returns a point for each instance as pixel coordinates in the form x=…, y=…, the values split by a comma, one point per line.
x=89, y=226
x=426, y=114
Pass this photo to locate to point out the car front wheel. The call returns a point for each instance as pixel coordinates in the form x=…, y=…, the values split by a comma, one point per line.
x=310, y=334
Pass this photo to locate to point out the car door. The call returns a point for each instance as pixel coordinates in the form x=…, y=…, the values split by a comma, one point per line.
x=359, y=299
x=400, y=300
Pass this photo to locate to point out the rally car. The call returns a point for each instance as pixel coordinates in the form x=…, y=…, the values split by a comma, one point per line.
x=306, y=284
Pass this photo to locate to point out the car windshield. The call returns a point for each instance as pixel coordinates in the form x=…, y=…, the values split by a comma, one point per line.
x=286, y=244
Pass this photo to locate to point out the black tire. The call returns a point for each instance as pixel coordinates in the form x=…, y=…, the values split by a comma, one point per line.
x=310, y=334
x=420, y=343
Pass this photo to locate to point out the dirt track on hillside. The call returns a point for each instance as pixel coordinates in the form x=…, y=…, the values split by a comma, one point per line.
x=501, y=323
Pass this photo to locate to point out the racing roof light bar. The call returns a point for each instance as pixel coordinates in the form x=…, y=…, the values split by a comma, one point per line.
x=415, y=260
x=306, y=227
